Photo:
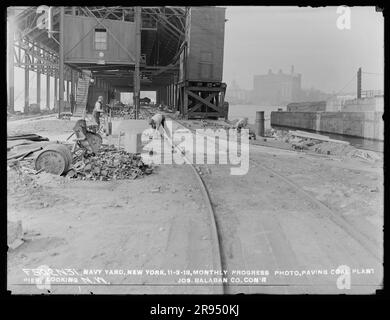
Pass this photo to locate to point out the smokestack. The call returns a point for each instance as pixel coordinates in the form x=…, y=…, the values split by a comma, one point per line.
x=292, y=69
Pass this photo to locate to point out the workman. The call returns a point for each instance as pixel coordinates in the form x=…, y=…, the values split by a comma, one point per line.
x=156, y=121
x=97, y=110
x=72, y=102
x=241, y=123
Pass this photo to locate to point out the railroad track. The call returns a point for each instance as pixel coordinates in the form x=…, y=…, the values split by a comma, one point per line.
x=220, y=262
x=364, y=241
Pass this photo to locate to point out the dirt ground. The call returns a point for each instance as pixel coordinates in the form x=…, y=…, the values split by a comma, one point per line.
x=114, y=225
x=266, y=223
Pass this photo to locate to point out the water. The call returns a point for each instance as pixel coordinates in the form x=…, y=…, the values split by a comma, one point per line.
x=239, y=111
x=367, y=144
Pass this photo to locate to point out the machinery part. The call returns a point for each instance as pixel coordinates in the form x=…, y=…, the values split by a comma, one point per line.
x=54, y=158
x=92, y=142
x=87, y=140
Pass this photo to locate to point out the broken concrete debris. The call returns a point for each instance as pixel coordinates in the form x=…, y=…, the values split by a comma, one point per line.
x=122, y=111
x=109, y=164
x=14, y=233
x=300, y=141
x=104, y=163
x=156, y=190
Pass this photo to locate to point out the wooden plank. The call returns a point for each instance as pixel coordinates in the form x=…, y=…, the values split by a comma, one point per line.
x=207, y=103
x=21, y=154
x=309, y=134
x=205, y=89
x=205, y=114
x=198, y=105
x=317, y=137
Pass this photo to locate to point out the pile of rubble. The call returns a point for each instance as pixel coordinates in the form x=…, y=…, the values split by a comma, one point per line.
x=125, y=112
x=122, y=112
x=347, y=151
x=322, y=144
x=108, y=164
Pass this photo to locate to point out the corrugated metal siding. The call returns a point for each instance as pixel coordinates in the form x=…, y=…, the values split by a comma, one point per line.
x=82, y=28
x=205, y=38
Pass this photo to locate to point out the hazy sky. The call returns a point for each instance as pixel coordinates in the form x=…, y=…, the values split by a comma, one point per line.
x=260, y=38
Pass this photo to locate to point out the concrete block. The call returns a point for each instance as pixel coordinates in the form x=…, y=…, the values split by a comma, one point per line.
x=132, y=142
x=14, y=231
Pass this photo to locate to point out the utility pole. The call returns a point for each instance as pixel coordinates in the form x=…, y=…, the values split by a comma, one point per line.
x=359, y=83
x=61, y=63
x=137, y=85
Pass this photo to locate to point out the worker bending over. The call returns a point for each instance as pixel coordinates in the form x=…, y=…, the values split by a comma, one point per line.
x=156, y=121
x=241, y=123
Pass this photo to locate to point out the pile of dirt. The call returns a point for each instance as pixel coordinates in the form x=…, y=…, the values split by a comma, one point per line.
x=32, y=191
x=109, y=164
x=18, y=181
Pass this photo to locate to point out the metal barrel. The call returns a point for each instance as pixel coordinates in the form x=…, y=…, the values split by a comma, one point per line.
x=54, y=158
x=260, y=123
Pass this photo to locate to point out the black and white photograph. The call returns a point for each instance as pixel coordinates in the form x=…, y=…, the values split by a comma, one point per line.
x=195, y=150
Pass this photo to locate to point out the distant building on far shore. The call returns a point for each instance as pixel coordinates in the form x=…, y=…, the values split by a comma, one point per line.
x=277, y=88
x=236, y=95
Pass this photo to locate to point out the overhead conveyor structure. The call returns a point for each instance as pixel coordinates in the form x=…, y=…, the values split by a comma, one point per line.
x=175, y=51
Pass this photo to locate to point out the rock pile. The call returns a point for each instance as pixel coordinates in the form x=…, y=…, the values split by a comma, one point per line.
x=126, y=112
x=109, y=164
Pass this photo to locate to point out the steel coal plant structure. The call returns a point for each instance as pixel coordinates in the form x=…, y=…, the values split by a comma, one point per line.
x=103, y=51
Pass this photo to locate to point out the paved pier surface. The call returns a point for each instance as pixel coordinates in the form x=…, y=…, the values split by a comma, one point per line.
x=160, y=222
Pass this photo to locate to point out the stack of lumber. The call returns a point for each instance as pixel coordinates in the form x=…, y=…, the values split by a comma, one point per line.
x=21, y=146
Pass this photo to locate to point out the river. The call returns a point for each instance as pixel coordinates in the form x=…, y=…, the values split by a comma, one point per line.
x=238, y=111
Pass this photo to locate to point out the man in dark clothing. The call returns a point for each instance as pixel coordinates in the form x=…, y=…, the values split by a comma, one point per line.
x=72, y=102
x=97, y=110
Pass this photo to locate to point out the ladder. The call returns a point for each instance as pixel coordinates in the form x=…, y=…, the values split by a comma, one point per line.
x=82, y=96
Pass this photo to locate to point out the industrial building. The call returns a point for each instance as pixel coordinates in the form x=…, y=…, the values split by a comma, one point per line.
x=277, y=88
x=103, y=51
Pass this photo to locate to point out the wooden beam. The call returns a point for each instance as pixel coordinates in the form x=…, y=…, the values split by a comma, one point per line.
x=137, y=84
x=180, y=32
x=219, y=89
x=61, y=63
x=199, y=104
x=205, y=101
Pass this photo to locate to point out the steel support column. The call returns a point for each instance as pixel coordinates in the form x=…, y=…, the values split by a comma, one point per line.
x=48, y=90
x=359, y=83
x=67, y=86
x=137, y=84
x=38, y=70
x=10, y=63
x=26, y=83
x=61, y=62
